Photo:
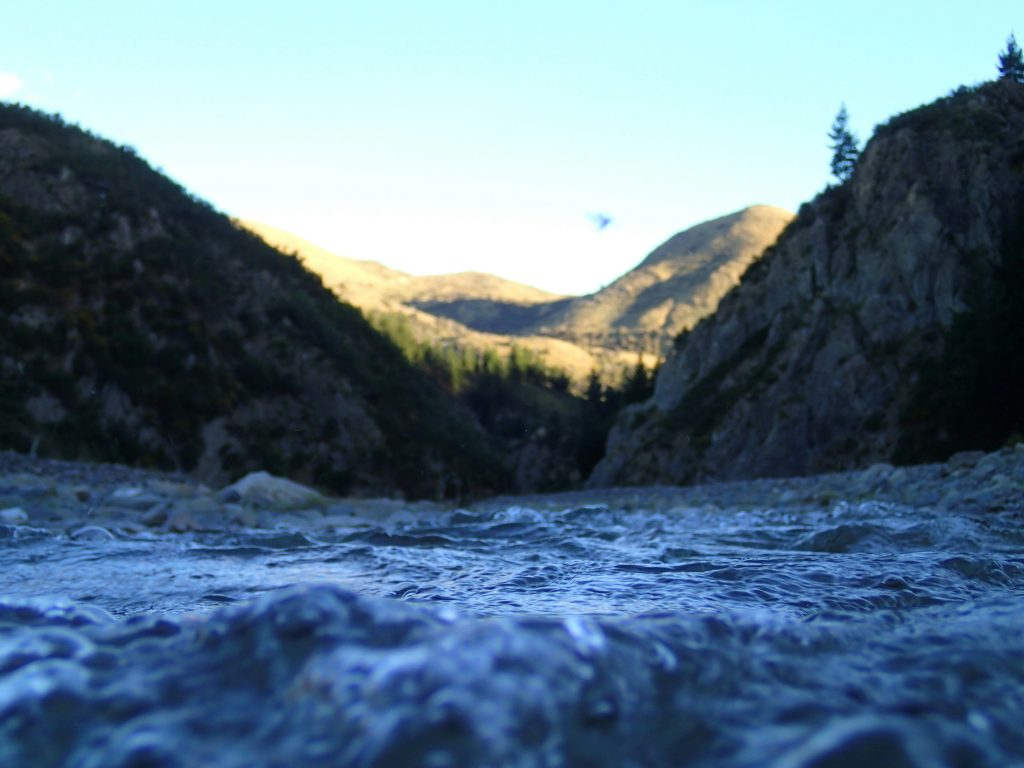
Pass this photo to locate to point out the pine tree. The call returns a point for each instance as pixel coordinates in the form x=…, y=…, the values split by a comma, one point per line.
x=1011, y=62
x=843, y=146
x=594, y=392
x=637, y=385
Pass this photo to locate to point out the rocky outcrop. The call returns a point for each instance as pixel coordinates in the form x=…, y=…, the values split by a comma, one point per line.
x=815, y=360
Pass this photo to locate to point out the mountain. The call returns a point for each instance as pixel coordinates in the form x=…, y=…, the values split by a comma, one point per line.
x=675, y=286
x=679, y=283
x=543, y=412
x=886, y=324
x=141, y=326
x=372, y=285
x=379, y=290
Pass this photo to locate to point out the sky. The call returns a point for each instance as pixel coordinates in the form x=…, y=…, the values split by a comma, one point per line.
x=448, y=135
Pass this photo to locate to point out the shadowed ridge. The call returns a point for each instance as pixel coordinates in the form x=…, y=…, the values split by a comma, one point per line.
x=841, y=346
x=141, y=326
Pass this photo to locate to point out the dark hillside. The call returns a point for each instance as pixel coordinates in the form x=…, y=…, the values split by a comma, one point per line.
x=885, y=324
x=139, y=325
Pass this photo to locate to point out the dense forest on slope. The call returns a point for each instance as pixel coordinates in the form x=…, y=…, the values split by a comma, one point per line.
x=549, y=437
x=139, y=325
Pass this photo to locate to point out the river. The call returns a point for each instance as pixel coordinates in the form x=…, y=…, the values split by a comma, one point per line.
x=583, y=630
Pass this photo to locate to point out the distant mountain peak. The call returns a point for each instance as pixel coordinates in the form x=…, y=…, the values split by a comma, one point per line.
x=676, y=285
x=369, y=283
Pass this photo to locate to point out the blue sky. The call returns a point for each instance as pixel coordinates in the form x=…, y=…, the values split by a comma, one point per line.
x=446, y=135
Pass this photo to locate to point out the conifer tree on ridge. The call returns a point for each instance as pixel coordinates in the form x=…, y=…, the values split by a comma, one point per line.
x=843, y=146
x=1011, y=62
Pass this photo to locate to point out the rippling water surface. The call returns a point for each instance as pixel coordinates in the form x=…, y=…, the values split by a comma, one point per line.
x=844, y=635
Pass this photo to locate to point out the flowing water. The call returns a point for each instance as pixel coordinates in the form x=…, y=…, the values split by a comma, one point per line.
x=605, y=634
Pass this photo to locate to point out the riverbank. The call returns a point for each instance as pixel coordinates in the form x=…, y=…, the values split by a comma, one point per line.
x=793, y=623
x=82, y=497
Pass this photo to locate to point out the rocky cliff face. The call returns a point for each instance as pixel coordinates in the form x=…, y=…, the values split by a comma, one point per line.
x=140, y=326
x=820, y=358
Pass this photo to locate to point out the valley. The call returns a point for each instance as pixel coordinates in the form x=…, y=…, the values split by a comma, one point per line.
x=141, y=326
x=637, y=315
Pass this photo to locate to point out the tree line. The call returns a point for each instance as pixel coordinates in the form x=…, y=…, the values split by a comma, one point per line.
x=517, y=398
x=845, y=145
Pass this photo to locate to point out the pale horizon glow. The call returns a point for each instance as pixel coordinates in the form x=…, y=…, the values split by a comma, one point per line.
x=10, y=84
x=528, y=251
x=459, y=136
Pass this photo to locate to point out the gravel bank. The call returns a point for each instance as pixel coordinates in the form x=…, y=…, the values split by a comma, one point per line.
x=81, y=498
